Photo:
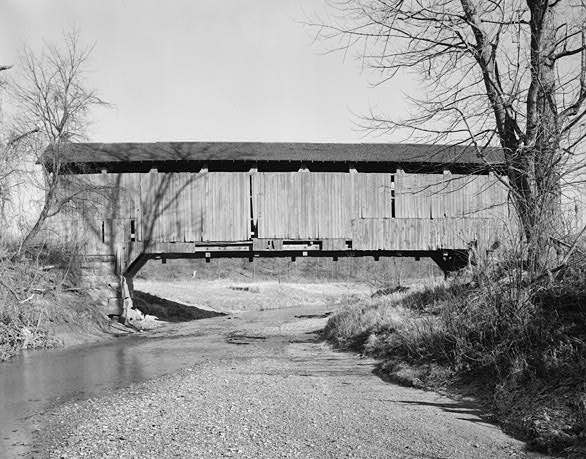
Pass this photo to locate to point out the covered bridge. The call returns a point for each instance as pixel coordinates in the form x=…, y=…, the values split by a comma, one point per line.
x=138, y=201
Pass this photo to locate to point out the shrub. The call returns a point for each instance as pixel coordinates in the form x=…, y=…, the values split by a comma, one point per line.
x=428, y=299
x=524, y=339
x=357, y=325
x=30, y=297
x=497, y=327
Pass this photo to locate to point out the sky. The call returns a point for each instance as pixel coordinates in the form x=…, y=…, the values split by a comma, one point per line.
x=208, y=70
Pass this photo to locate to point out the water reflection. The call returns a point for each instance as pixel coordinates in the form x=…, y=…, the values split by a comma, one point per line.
x=36, y=380
x=29, y=385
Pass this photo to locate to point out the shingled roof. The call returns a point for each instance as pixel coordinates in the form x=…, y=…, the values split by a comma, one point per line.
x=157, y=152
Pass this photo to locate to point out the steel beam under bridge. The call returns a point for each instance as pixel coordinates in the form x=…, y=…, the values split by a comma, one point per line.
x=138, y=253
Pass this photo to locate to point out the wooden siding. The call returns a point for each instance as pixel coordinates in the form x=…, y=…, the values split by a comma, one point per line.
x=194, y=207
x=97, y=217
x=419, y=195
x=302, y=205
x=306, y=205
x=226, y=213
x=449, y=195
x=99, y=237
x=424, y=234
x=376, y=211
x=374, y=195
x=165, y=207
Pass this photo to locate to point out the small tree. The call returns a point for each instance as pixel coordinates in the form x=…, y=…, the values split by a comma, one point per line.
x=53, y=106
x=496, y=72
x=6, y=163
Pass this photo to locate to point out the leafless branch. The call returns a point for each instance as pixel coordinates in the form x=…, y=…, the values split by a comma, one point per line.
x=54, y=103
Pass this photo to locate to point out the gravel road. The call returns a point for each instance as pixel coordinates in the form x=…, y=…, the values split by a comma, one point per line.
x=270, y=389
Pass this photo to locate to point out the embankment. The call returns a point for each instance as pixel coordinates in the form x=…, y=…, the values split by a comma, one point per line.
x=520, y=350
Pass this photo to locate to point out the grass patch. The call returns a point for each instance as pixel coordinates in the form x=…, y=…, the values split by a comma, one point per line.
x=228, y=297
x=359, y=327
x=521, y=345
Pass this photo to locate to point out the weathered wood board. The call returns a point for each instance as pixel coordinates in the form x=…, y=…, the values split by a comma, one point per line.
x=377, y=211
x=320, y=205
x=420, y=234
x=195, y=207
x=449, y=195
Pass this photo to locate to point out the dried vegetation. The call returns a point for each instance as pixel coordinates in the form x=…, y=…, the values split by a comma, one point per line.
x=36, y=297
x=518, y=343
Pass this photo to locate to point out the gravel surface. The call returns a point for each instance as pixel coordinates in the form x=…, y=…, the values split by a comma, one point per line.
x=272, y=390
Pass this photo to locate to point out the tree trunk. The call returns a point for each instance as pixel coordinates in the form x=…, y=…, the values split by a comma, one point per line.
x=43, y=215
x=541, y=156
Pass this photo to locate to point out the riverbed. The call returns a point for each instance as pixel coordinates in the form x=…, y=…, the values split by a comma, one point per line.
x=38, y=381
x=250, y=384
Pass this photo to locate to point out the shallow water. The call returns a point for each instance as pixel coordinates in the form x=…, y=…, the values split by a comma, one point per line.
x=33, y=383
x=37, y=380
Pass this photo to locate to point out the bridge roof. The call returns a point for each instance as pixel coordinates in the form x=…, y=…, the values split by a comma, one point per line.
x=204, y=152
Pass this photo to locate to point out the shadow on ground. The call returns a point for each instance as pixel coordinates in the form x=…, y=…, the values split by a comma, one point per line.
x=470, y=411
x=168, y=310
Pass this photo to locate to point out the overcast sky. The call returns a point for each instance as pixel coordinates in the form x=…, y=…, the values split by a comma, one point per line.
x=207, y=69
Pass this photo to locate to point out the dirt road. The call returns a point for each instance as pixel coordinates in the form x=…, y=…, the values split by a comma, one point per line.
x=270, y=389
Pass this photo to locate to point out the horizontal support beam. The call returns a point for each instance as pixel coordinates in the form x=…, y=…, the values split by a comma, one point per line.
x=188, y=247
x=212, y=254
x=257, y=245
x=139, y=253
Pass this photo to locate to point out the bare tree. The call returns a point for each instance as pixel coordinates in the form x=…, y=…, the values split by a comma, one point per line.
x=5, y=160
x=496, y=72
x=9, y=156
x=53, y=102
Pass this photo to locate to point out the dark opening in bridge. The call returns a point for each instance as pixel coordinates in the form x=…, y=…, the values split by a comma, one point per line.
x=393, y=196
x=253, y=228
x=132, y=230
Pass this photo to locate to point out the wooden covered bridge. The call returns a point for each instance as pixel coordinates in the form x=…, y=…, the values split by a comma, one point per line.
x=139, y=201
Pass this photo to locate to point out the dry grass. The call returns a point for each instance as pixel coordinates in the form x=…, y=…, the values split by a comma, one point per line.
x=34, y=303
x=24, y=309
x=228, y=296
x=360, y=326
x=521, y=341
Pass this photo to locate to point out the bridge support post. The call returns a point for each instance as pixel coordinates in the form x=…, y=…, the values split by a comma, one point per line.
x=99, y=273
x=126, y=299
x=127, y=287
x=112, y=277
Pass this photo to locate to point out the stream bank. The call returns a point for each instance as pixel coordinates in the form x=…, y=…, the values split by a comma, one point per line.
x=262, y=385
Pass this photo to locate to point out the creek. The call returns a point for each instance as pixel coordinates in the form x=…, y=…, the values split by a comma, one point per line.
x=36, y=381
